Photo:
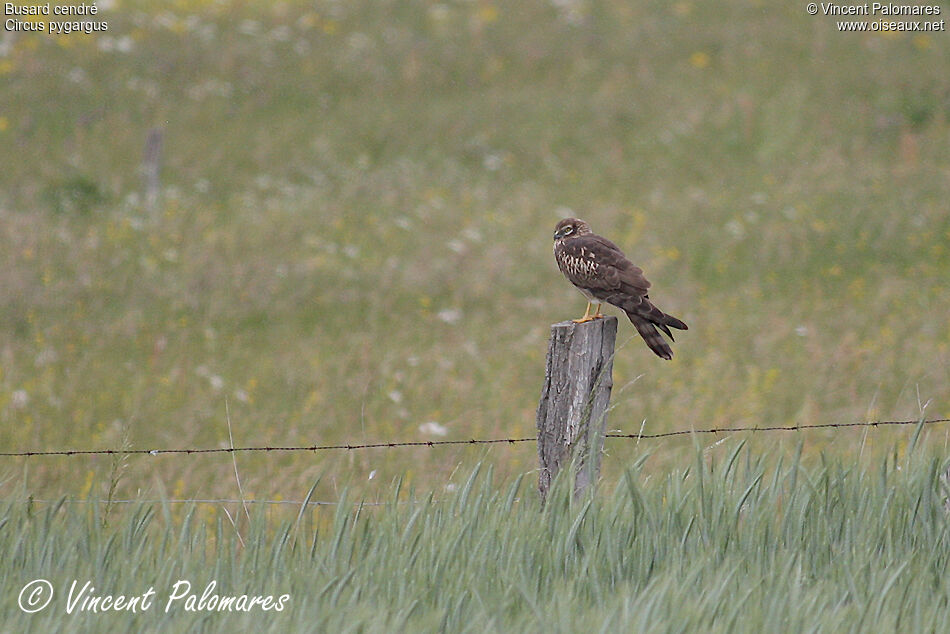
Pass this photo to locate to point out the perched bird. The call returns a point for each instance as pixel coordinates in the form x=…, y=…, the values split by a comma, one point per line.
x=600, y=270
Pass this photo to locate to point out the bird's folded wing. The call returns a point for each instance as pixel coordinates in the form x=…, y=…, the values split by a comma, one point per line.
x=609, y=268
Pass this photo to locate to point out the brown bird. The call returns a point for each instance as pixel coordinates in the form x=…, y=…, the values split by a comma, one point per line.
x=600, y=270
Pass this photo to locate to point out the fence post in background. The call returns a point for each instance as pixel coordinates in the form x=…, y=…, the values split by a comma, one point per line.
x=572, y=414
x=151, y=166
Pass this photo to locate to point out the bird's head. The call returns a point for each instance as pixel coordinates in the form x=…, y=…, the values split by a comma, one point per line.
x=570, y=227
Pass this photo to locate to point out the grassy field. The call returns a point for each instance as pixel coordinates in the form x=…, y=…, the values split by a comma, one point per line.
x=352, y=237
x=351, y=243
x=749, y=544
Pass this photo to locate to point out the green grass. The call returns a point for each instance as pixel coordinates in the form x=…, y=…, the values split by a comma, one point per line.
x=353, y=233
x=752, y=543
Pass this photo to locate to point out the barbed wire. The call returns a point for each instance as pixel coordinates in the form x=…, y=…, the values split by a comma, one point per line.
x=312, y=448
x=472, y=441
x=733, y=430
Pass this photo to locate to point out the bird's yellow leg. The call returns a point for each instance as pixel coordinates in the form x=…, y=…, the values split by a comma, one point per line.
x=586, y=316
x=597, y=314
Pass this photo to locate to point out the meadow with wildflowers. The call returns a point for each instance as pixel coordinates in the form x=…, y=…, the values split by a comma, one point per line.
x=351, y=242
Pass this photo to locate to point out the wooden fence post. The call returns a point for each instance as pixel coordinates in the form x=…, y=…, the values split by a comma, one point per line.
x=572, y=414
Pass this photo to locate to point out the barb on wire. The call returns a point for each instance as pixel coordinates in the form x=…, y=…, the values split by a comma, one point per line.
x=472, y=441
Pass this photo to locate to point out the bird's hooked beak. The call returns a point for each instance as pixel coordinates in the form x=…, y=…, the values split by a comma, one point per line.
x=560, y=233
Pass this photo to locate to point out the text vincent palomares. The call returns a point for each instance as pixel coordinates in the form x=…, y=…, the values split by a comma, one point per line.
x=877, y=8
x=84, y=599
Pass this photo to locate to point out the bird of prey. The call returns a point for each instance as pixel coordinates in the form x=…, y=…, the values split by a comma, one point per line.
x=600, y=270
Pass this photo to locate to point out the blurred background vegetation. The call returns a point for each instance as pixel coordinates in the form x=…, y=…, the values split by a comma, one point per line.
x=352, y=236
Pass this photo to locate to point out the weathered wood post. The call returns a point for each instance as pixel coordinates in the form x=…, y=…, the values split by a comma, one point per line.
x=572, y=414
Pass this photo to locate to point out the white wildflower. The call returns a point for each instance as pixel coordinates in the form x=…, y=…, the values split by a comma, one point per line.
x=450, y=315
x=433, y=428
x=20, y=399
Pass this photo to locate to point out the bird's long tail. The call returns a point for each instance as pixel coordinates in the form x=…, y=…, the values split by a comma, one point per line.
x=646, y=319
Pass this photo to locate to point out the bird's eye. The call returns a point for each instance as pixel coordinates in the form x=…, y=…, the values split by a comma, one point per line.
x=568, y=231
